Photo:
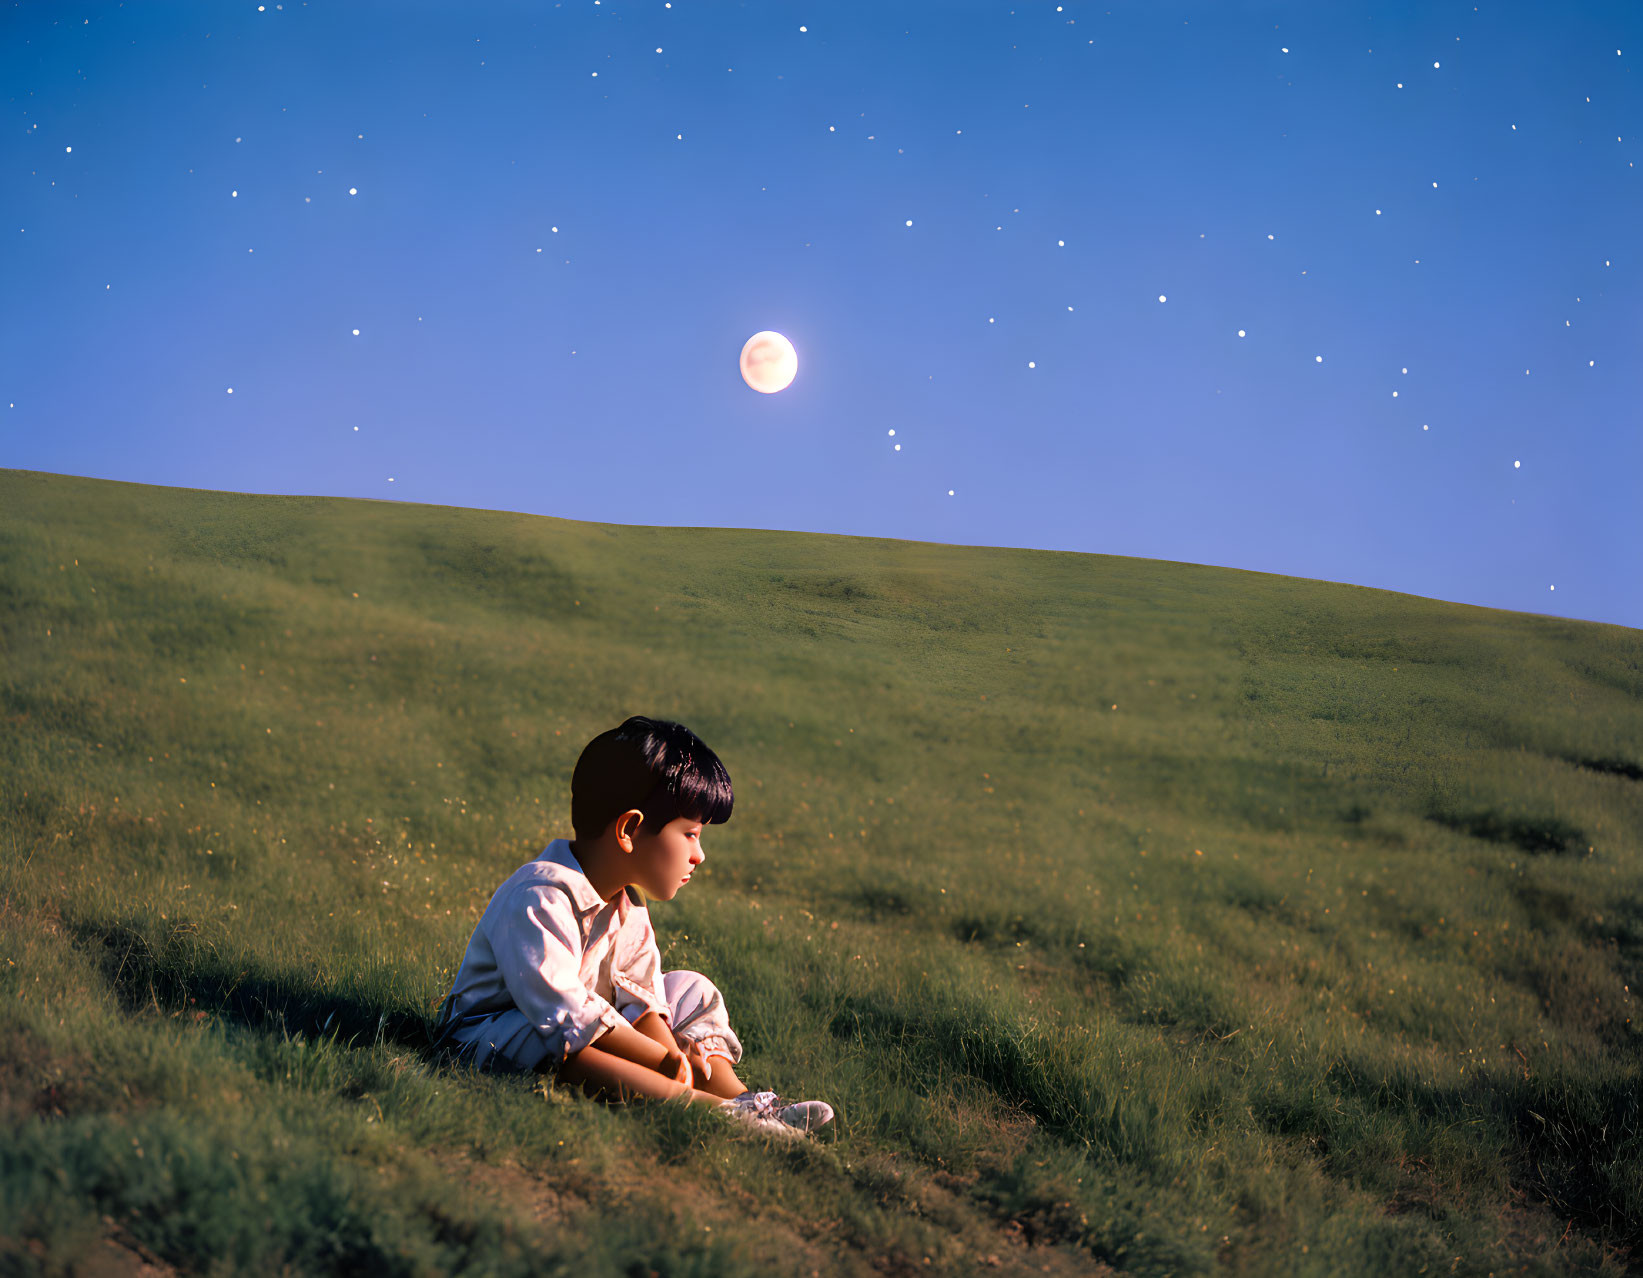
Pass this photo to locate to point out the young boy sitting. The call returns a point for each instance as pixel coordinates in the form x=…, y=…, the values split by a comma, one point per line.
x=563, y=975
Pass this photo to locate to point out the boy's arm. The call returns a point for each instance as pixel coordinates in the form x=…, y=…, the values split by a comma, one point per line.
x=649, y=1046
x=535, y=937
x=654, y=1027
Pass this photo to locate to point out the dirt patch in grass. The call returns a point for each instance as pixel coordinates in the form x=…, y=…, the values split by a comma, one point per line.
x=1419, y=1190
x=550, y=1204
x=35, y=1083
x=511, y=1187
x=1529, y=1227
x=121, y=1256
x=1028, y=1245
x=116, y=1254
x=1025, y=1244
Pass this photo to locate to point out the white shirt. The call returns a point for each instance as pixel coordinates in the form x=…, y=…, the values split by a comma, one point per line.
x=551, y=964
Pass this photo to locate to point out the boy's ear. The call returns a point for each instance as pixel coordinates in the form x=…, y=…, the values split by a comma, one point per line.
x=627, y=827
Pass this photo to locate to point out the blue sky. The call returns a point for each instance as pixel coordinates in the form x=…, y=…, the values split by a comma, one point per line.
x=554, y=240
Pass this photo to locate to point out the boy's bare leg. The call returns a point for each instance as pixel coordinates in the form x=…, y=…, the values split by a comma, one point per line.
x=653, y=1027
x=607, y=1076
x=724, y=1082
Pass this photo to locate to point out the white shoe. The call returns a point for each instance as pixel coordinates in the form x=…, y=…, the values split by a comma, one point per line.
x=770, y=1113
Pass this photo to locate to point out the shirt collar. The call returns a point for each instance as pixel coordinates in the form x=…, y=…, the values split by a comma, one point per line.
x=581, y=887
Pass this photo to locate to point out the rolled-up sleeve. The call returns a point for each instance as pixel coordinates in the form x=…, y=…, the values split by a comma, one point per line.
x=636, y=979
x=538, y=947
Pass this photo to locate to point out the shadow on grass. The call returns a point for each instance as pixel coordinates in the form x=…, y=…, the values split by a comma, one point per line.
x=1046, y=1076
x=1572, y=1141
x=179, y=974
x=1534, y=835
x=1614, y=767
x=879, y=904
x=1614, y=926
x=994, y=931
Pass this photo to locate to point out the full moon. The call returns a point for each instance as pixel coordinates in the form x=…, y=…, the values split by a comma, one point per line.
x=769, y=362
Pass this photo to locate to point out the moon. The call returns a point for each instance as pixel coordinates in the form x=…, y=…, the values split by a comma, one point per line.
x=769, y=362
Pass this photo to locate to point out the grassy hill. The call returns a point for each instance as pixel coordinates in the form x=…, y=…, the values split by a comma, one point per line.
x=1131, y=914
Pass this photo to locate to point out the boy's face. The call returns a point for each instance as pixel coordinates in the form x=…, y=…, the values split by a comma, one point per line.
x=662, y=864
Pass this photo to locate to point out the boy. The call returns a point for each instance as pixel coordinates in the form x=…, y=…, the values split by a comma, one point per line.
x=563, y=975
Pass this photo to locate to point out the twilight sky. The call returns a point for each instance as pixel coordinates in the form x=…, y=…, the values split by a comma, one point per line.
x=1334, y=290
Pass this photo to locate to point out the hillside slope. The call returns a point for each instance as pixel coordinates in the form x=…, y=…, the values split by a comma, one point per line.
x=1132, y=913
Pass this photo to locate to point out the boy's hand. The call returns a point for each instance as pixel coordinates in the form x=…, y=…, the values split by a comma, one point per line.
x=676, y=1066
x=698, y=1061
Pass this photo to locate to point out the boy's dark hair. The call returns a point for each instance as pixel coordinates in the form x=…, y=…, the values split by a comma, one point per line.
x=660, y=767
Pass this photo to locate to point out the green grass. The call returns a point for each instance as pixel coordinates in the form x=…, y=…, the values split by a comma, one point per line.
x=1131, y=914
